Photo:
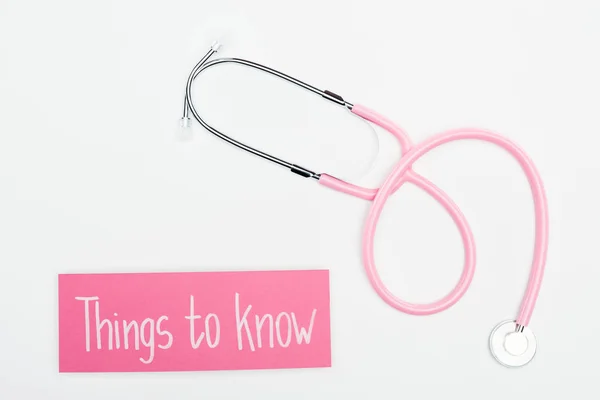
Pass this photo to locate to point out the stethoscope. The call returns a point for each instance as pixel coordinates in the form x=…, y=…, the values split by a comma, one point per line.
x=511, y=342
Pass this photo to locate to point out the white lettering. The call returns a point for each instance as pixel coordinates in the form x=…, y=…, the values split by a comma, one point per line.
x=195, y=343
x=99, y=325
x=126, y=328
x=242, y=323
x=117, y=335
x=289, y=329
x=209, y=340
x=86, y=301
x=302, y=334
x=149, y=343
x=165, y=332
x=259, y=324
x=106, y=328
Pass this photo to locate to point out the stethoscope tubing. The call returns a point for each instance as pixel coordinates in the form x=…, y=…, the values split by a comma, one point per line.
x=403, y=173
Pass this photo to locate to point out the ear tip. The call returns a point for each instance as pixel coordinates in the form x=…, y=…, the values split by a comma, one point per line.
x=216, y=46
x=185, y=132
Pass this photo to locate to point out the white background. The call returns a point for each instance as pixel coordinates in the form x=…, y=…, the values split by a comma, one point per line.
x=93, y=178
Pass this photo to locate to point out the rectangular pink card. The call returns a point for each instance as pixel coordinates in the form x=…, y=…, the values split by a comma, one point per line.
x=193, y=321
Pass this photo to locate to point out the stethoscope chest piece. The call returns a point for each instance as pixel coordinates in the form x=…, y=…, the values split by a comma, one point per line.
x=512, y=345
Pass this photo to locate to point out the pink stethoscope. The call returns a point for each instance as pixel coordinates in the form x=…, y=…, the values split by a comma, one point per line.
x=511, y=342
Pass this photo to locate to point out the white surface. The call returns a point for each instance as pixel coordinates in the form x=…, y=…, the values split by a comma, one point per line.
x=92, y=179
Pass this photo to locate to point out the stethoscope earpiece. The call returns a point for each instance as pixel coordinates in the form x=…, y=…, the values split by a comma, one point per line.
x=185, y=130
x=512, y=345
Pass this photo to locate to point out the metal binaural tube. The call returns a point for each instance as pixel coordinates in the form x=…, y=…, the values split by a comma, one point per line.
x=203, y=64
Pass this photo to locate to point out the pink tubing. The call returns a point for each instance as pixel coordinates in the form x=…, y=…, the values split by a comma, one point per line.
x=402, y=173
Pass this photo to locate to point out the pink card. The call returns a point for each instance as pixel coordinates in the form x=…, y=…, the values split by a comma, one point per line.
x=194, y=321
